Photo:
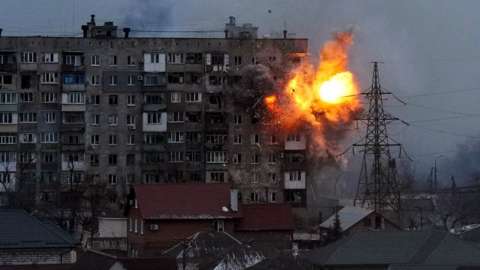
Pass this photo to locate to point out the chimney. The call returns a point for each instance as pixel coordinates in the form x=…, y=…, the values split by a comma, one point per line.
x=231, y=20
x=85, y=30
x=234, y=200
x=126, y=31
x=92, y=19
x=285, y=33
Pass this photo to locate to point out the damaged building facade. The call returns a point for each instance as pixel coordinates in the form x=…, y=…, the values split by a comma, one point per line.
x=112, y=108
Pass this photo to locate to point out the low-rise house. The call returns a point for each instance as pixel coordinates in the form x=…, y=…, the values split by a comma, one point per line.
x=111, y=235
x=396, y=250
x=162, y=215
x=354, y=219
x=266, y=225
x=26, y=240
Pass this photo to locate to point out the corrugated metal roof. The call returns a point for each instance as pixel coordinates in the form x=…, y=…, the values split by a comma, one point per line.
x=349, y=216
x=266, y=217
x=18, y=229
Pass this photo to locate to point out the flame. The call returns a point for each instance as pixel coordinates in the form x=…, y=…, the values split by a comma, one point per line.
x=324, y=97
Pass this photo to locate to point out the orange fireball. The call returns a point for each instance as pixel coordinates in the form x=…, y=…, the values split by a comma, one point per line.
x=323, y=96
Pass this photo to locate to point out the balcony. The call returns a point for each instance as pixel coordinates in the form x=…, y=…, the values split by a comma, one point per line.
x=10, y=67
x=295, y=180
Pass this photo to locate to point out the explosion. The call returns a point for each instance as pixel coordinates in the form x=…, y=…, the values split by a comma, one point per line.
x=323, y=97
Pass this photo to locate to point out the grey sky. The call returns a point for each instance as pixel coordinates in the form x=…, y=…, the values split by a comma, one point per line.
x=428, y=46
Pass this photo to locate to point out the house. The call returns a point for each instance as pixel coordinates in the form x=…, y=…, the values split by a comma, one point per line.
x=396, y=250
x=353, y=219
x=162, y=215
x=26, y=240
x=214, y=250
x=268, y=225
x=111, y=235
x=284, y=261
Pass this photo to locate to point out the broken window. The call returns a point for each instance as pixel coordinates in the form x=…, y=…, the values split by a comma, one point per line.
x=176, y=77
x=193, y=58
x=25, y=82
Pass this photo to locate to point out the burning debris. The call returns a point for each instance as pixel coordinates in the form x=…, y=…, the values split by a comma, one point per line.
x=323, y=98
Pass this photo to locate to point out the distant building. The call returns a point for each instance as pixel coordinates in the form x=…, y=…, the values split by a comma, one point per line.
x=162, y=215
x=26, y=240
x=354, y=219
x=268, y=226
x=397, y=250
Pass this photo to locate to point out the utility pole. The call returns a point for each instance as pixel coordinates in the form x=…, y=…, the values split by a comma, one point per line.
x=377, y=188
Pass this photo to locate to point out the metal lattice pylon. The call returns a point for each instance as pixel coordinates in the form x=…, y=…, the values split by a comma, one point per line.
x=377, y=185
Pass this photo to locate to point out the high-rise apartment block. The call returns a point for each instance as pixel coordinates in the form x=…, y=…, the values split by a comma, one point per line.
x=119, y=109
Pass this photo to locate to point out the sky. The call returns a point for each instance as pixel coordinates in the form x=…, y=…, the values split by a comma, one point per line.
x=429, y=49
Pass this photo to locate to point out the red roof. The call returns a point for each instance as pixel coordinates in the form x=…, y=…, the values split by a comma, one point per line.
x=184, y=201
x=266, y=217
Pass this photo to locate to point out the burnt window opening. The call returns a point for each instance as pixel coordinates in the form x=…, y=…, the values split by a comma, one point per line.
x=26, y=82
x=193, y=117
x=176, y=77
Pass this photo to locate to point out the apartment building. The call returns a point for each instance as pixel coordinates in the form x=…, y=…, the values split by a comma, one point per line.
x=117, y=109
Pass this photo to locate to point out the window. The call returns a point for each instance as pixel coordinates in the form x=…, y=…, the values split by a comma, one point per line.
x=216, y=138
x=50, y=57
x=152, y=80
x=293, y=138
x=112, y=139
x=153, y=139
x=295, y=176
x=113, y=99
x=27, y=157
x=131, y=100
x=193, y=97
x=255, y=139
x=237, y=158
x=176, y=77
x=254, y=196
x=75, y=98
x=49, y=97
x=175, y=157
x=193, y=156
x=113, y=120
x=131, y=80
x=176, y=137
x=8, y=139
x=113, y=80
x=72, y=59
x=216, y=156
x=8, y=156
x=194, y=58
x=49, y=78
x=131, y=139
x=95, y=99
x=153, y=157
x=155, y=58
x=94, y=80
x=25, y=82
x=6, y=79
x=49, y=117
x=176, y=58
x=154, y=118
x=175, y=117
x=272, y=158
x=273, y=196
x=94, y=160
x=219, y=225
x=273, y=139
x=237, y=119
x=112, y=180
x=153, y=99
x=27, y=138
x=28, y=117
x=72, y=79
x=72, y=139
x=8, y=98
x=49, y=137
x=95, y=60
x=217, y=177
x=130, y=60
x=237, y=139
x=49, y=157
x=113, y=60
x=175, y=97
x=95, y=119
x=26, y=97
x=130, y=120
x=237, y=60
x=94, y=139
x=28, y=57
x=112, y=159
x=255, y=158
x=6, y=117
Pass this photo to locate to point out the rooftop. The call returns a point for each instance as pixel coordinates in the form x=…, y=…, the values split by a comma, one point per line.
x=18, y=229
x=349, y=216
x=184, y=201
x=266, y=217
